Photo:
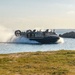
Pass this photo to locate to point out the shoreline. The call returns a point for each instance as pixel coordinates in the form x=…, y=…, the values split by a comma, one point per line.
x=61, y=62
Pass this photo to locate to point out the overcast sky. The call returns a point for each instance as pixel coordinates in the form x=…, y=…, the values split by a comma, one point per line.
x=25, y=14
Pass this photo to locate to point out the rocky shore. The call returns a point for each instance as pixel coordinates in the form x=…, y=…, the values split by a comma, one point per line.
x=68, y=35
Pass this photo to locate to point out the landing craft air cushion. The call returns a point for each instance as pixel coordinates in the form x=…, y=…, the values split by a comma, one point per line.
x=42, y=37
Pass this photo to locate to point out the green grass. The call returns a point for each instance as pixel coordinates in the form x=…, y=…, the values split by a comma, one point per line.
x=60, y=62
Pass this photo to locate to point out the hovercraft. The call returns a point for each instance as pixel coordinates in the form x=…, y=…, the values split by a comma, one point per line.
x=42, y=37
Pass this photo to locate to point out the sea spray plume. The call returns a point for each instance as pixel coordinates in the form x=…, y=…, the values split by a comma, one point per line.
x=61, y=40
x=5, y=34
x=22, y=40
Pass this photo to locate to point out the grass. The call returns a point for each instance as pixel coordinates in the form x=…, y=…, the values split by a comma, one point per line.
x=60, y=62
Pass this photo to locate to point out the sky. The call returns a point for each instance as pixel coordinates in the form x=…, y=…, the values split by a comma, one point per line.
x=31, y=14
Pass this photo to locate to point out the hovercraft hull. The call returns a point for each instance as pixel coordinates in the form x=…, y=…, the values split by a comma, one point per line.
x=46, y=40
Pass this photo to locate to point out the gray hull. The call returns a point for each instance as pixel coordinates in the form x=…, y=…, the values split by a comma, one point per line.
x=46, y=40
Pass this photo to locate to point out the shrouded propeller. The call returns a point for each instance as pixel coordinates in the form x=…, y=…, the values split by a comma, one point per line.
x=18, y=33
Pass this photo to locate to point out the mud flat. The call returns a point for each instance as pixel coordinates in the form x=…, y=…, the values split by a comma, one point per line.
x=60, y=62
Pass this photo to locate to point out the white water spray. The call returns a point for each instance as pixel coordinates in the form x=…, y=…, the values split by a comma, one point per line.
x=7, y=35
x=61, y=40
x=22, y=40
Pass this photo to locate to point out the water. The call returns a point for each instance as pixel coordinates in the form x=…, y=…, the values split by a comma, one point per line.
x=69, y=44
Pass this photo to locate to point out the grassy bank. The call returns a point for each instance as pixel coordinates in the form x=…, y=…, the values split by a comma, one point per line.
x=38, y=63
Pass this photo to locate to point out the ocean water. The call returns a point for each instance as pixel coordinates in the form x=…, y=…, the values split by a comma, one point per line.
x=68, y=44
